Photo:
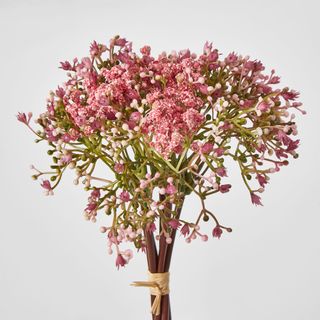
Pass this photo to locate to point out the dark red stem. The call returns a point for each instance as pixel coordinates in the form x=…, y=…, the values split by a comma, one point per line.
x=161, y=263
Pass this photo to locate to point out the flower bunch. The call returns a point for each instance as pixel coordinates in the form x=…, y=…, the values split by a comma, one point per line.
x=164, y=126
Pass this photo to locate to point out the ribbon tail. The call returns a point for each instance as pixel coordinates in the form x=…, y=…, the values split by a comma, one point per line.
x=156, y=306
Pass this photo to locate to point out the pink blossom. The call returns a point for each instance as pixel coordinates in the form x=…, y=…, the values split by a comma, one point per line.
x=156, y=107
x=290, y=95
x=21, y=116
x=263, y=106
x=171, y=189
x=119, y=167
x=174, y=224
x=95, y=193
x=125, y=196
x=217, y=232
x=66, y=158
x=128, y=254
x=221, y=171
x=293, y=145
x=185, y=230
x=66, y=66
x=262, y=180
x=224, y=188
x=255, y=199
x=60, y=92
x=283, y=137
x=92, y=206
x=120, y=261
x=195, y=146
x=151, y=227
x=219, y=152
x=97, y=49
x=231, y=58
x=135, y=117
x=121, y=42
x=207, y=148
x=46, y=185
x=145, y=50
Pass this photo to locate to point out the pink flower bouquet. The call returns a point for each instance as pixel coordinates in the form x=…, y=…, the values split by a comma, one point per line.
x=164, y=126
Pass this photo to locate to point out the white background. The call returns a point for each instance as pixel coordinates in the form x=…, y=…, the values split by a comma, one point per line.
x=54, y=265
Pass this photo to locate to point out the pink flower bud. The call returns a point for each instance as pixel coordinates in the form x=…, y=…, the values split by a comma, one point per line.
x=174, y=224
x=46, y=185
x=171, y=189
x=124, y=196
x=185, y=230
x=120, y=261
x=207, y=148
x=225, y=188
x=135, y=117
x=217, y=232
x=255, y=199
x=204, y=238
x=119, y=168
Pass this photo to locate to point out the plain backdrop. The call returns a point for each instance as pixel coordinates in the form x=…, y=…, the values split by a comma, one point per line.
x=54, y=265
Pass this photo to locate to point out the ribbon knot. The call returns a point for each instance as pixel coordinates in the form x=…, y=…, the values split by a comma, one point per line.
x=159, y=286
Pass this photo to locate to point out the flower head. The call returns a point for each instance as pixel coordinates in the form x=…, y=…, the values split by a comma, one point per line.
x=120, y=261
x=125, y=196
x=217, y=232
x=174, y=224
x=255, y=199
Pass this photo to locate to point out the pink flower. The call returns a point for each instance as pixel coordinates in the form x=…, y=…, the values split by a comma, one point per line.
x=174, y=224
x=120, y=261
x=263, y=106
x=60, y=92
x=23, y=118
x=221, y=171
x=135, y=116
x=124, y=196
x=151, y=227
x=92, y=206
x=46, y=185
x=255, y=199
x=66, y=158
x=145, y=50
x=86, y=62
x=217, y=232
x=207, y=148
x=66, y=66
x=97, y=49
x=95, y=193
x=231, y=58
x=195, y=146
x=185, y=230
x=262, y=180
x=290, y=95
x=121, y=42
x=119, y=167
x=171, y=189
x=293, y=145
x=224, y=188
x=218, y=152
x=283, y=137
x=128, y=254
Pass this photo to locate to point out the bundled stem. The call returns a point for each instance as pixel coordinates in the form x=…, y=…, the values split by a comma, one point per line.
x=160, y=262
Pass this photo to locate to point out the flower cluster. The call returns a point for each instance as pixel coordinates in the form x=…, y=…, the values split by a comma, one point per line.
x=164, y=126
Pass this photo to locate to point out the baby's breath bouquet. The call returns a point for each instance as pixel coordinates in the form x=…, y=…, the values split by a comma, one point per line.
x=164, y=126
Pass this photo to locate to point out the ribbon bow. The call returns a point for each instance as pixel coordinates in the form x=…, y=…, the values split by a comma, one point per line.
x=159, y=286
